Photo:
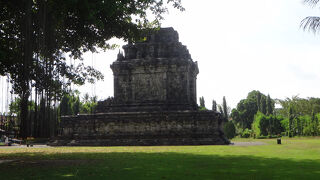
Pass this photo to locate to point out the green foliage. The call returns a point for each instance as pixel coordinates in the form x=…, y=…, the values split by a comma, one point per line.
x=247, y=108
x=276, y=126
x=285, y=125
x=311, y=125
x=299, y=106
x=263, y=105
x=246, y=133
x=297, y=117
x=259, y=101
x=14, y=106
x=76, y=106
x=224, y=112
x=89, y=104
x=256, y=124
x=264, y=125
x=88, y=107
x=269, y=106
x=220, y=109
x=291, y=118
x=302, y=118
x=268, y=137
x=43, y=116
x=71, y=104
x=201, y=108
x=65, y=106
x=305, y=125
x=214, y=105
x=229, y=130
x=202, y=102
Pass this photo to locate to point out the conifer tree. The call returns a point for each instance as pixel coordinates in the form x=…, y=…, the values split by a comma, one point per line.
x=220, y=109
x=314, y=124
x=269, y=108
x=214, y=105
x=263, y=105
x=259, y=101
x=202, y=102
x=290, y=117
x=225, y=109
x=76, y=106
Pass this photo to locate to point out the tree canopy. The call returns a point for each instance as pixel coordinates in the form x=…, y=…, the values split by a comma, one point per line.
x=35, y=35
x=256, y=116
x=247, y=108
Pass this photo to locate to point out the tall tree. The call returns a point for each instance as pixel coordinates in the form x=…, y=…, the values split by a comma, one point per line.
x=269, y=106
x=263, y=105
x=247, y=108
x=202, y=102
x=302, y=106
x=214, y=105
x=76, y=106
x=34, y=35
x=291, y=121
x=259, y=101
x=225, y=109
x=220, y=109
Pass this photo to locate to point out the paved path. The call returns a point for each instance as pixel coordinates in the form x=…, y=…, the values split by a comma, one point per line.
x=25, y=146
x=5, y=160
x=247, y=143
x=45, y=146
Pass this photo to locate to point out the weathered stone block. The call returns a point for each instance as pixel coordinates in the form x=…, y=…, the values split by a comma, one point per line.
x=142, y=128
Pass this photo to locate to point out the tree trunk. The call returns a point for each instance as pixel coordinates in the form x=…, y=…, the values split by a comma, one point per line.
x=27, y=58
x=35, y=125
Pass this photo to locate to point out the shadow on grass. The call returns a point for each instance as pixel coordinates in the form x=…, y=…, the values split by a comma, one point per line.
x=166, y=165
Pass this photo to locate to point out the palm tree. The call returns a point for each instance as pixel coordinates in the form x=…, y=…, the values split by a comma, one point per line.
x=311, y=23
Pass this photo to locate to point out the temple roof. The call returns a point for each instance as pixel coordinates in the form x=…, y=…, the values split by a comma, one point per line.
x=163, y=43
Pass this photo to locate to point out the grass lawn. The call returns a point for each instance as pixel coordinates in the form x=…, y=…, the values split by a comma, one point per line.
x=296, y=158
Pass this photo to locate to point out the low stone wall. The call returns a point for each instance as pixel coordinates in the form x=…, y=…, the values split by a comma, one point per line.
x=142, y=128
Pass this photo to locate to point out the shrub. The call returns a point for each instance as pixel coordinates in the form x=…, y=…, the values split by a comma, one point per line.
x=202, y=108
x=229, y=130
x=256, y=124
x=264, y=125
x=246, y=133
x=267, y=137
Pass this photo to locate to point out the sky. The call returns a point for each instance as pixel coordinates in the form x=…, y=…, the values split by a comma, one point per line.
x=250, y=45
x=240, y=46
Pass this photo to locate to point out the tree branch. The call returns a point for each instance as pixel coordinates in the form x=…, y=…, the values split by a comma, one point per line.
x=311, y=23
x=311, y=2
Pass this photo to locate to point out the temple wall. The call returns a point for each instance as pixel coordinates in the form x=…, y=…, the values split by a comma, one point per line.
x=143, y=128
x=158, y=83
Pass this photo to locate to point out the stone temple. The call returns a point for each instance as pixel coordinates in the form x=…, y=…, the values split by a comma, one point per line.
x=154, y=103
